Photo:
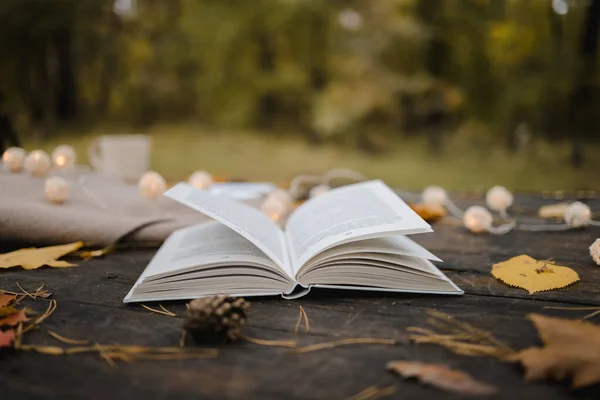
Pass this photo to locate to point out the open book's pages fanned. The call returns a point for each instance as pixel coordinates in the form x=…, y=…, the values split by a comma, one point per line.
x=349, y=238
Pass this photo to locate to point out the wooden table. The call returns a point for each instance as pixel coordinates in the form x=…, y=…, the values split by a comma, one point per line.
x=90, y=307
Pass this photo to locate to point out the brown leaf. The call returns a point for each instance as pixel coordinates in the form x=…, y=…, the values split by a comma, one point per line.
x=33, y=258
x=572, y=349
x=428, y=213
x=6, y=338
x=7, y=310
x=442, y=377
x=14, y=318
x=6, y=299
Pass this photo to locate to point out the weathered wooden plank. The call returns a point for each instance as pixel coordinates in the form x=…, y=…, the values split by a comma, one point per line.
x=90, y=306
x=246, y=370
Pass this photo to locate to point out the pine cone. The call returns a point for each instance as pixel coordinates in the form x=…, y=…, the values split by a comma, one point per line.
x=216, y=318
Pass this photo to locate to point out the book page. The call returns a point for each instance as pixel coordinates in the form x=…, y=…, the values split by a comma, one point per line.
x=243, y=219
x=360, y=211
x=204, y=245
x=209, y=246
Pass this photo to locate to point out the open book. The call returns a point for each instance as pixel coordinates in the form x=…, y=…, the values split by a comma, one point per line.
x=352, y=237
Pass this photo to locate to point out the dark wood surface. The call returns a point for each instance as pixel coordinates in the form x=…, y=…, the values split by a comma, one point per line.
x=90, y=307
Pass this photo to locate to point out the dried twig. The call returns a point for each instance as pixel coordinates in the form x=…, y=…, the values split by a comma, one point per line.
x=302, y=316
x=374, y=393
x=106, y=356
x=41, y=292
x=164, y=311
x=167, y=311
x=51, y=308
x=25, y=291
x=274, y=343
x=572, y=308
x=596, y=310
x=299, y=321
x=460, y=337
x=127, y=353
x=183, y=338
x=343, y=342
x=66, y=340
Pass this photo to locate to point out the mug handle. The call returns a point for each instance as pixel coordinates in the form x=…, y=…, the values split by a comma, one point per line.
x=94, y=156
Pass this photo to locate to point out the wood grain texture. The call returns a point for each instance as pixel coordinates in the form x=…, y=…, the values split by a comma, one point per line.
x=90, y=307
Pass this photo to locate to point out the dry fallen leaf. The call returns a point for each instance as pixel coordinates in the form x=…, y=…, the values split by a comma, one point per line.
x=442, y=377
x=7, y=310
x=572, y=349
x=428, y=213
x=14, y=318
x=33, y=258
x=6, y=299
x=532, y=275
x=553, y=210
x=6, y=338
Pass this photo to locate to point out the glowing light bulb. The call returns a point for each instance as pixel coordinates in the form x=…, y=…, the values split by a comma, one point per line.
x=318, y=190
x=200, y=180
x=499, y=198
x=434, y=196
x=64, y=156
x=57, y=190
x=477, y=219
x=282, y=195
x=37, y=163
x=595, y=251
x=578, y=215
x=14, y=159
x=152, y=185
x=274, y=208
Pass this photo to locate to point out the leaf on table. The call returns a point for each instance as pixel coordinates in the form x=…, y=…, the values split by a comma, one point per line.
x=14, y=318
x=572, y=349
x=442, y=377
x=553, y=210
x=6, y=338
x=7, y=310
x=428, y=213
x=6, y=299
x=33, y=258
x=532, y=275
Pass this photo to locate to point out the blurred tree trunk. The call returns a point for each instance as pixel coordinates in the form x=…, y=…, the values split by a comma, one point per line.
x=585, y=87
x=66, y=94
x=431, y=12
x=269, y=103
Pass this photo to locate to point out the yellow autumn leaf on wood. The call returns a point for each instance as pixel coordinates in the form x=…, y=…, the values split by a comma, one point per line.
x=532, y=275
x=33, y=258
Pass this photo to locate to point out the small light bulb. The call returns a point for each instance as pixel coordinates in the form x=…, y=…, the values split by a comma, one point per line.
x=318, y=190
x=274, y=208
x=477, y=219
x=434, y=196
x=595, y=251
x=57, y=190
x=14, y=158
x=152, y=185
x=37, y=163
x=499, y=198
x=282, y=195
x=200, y=180
x=64, y=156
x=578, y=215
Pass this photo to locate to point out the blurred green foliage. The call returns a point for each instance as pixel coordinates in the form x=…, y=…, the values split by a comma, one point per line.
x=344, y=71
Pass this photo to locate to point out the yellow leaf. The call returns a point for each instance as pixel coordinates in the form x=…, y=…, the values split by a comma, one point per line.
x=532, y=275
x=33, y=258
x=553, y=210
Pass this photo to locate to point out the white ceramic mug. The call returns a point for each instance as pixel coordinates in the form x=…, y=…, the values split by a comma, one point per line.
x=121, y=156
